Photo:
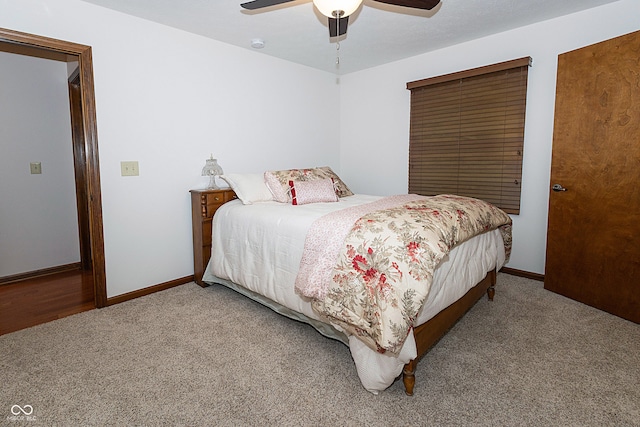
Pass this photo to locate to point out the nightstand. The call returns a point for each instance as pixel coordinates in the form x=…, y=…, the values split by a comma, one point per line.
x=204, y=204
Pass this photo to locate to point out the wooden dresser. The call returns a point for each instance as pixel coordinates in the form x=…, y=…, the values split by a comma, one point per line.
x=204, y=204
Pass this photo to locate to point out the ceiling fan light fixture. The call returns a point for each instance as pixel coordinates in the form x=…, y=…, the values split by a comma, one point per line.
x=331, y=8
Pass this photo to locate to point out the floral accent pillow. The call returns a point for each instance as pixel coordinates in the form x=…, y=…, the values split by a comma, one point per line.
x=278, y=181
x=318, y=190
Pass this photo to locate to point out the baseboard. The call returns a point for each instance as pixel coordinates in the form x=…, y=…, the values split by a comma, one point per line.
x=149, y=290
x=521, y=273
x=40, y=273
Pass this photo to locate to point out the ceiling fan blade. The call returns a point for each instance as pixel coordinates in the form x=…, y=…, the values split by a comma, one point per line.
x=415, y=4
x=259, y=4
x=333, y=26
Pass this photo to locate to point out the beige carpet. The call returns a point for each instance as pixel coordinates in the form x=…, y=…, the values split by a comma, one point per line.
x=210, y=357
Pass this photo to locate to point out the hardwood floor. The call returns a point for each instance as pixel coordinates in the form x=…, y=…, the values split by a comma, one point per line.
x=34, y=301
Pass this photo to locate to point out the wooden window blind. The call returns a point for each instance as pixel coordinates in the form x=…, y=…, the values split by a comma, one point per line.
x=467, y=133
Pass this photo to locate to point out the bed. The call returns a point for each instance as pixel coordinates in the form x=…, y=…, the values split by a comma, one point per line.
x=262, y=248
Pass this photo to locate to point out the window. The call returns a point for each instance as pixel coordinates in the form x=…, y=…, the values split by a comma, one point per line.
x=467, y=133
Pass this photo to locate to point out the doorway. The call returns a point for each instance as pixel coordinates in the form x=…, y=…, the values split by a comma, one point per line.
x=84, y=135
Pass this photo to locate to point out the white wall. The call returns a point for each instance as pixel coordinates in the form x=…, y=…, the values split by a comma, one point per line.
x=169, y=99
x=375, y=111
x=38, y=220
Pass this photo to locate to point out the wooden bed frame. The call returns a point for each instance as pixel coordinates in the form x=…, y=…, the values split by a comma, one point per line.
x=204, y=203
x=427, y=334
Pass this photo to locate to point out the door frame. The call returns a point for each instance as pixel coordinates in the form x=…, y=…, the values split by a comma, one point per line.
x=44, y=47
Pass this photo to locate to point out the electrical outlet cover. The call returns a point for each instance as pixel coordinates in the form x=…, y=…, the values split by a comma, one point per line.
x=129, y=169
x=36, y=168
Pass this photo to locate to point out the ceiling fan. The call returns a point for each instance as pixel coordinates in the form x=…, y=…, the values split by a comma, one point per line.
x=338, y=11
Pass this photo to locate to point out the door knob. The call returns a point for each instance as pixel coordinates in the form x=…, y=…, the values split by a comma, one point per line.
x=558, y=187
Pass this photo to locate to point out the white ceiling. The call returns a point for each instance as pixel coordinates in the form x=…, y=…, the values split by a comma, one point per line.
x=377, y=33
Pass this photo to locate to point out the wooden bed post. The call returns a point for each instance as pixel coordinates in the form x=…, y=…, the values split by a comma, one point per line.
x=491, y=291
x=409, y=376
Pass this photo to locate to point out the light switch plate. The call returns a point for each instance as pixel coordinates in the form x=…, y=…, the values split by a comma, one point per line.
x=36, y=168
x=129, y=168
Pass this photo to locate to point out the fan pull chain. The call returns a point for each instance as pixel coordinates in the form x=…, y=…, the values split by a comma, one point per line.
x=337, y=38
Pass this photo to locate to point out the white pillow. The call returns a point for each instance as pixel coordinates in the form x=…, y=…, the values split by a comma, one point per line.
x=249, y=187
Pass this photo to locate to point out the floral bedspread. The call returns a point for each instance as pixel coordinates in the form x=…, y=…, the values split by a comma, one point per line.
x=386, y=261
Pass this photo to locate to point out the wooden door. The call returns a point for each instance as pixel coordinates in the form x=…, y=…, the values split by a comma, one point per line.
x=593, y=238
x=80, y=167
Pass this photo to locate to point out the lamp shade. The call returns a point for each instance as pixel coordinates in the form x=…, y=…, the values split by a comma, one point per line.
x=327, y=7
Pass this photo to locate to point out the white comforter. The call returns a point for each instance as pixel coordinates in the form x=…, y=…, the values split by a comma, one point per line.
x=259, y=247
